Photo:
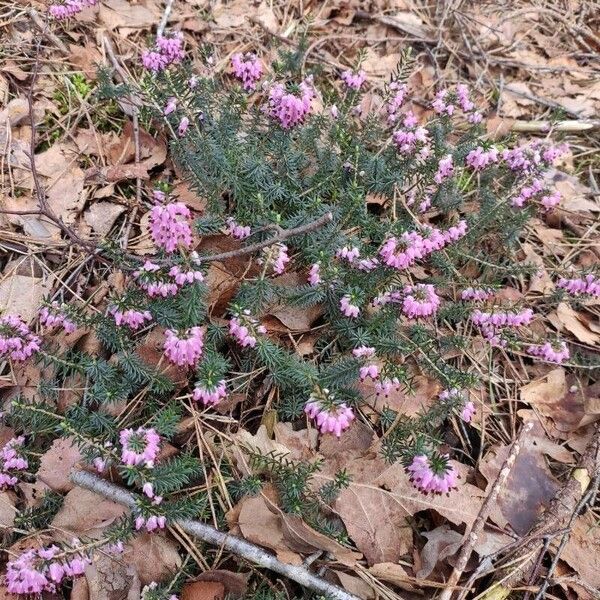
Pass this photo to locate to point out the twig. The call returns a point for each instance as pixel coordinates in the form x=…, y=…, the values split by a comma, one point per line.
x=486, y=507
x=165, y=17
x=545, y=126
x=210, y=535
x=43, y=27
x=283, y=235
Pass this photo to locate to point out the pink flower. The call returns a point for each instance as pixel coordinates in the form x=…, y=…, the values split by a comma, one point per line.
x=148, y=489
x=139, y=447
x=184, y=350
x=385, y=386
x=334, y=112
x=150, y=523
x=210, y=395
x=314, y=275
x=245, y=329
x=170, y=226
x=334, y=419
x=367, y=264
x=440, y=106
x=349, y=254
x=247, y=68
x=354, y=79
x=554, y=353
x=237, y=231
x=371, y=371
x=472, y=293
x=183, y=126
x=479, y=159
x=167, y=51
x=349, y=309
x=445, y=169
x=363, y=352
x=130, y=317
x=288, y=109
x=16, y=339
x=549, y=201
x=277, y=257
x=53, y=316
x=468, y=412
x=429, y=477
x=420, y=300
x=411, y=138
x=152, y=279
x=589, y=285
x=170, y=107
x=396, y=101
x=12, y=462
x=69, y=8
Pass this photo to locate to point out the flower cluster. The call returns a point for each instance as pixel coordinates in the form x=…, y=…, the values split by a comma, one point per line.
x=150, y=523
x=167, y=51
x=554, y=353
x=16, y=339
x=129, y=316
x=287, y=108
x=385, y=385
x=42, y=570
x=420, y=300
x=472, y=293
x=354, y=79
x=53, y=316
x=456, y=396
x=444, y=103
x=329, y=416
x=247, y=68
x=210, y=395
x=412, y=138
x=435, y=475
x=445, y=169
x=589, y=285
x=239, y=232
x=314, y=275
x=139, y=447
x=492, y=324
x=156, y=281
x=244, y=329
x=401, y=253
x=11, y=462
x=184, y=350
x=277, y=257
x=170, y=226
x=69, y=8
x=479, y=158
x=395, y=103
x=348, y=306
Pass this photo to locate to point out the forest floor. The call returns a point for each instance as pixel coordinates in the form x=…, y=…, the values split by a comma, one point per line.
x=534, y=68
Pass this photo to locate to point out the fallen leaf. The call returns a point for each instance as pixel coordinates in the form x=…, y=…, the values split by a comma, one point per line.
x=8, y=510
x=392, y=573
x=442, y=542
x=575, y=323
x=203, y=590
x=56, y=464
x=109, y=577
x=85, y=513
x=259, y=442
x=101, y=216
x=355, y=585
x=154, y=557
x=23, y=295
x=582, y=551
x=120, y=13
x=236, y=584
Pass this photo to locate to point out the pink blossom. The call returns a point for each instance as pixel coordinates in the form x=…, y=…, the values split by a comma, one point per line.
x=148, y=489
x=334, y=112
x=69, y=8
x=185, y=350
x=237, y=231
x=167, y=51
x=354, y=79
x=371, y=371
x=139, y=447
x=329, y=419
x=367, y=264
x=396, y=101
x=277, y=257
x=349, y=309
x=288, y=109
x=411, y=138
x=151, y=523
x=468, y=412
x=12, y=462
x=472, y=293
x=53, y=316
x=153, y=280
x=183, y=126
x=314, y=275
x=364, y=352
x=349, y=254
x=445, y=169
x=16, y=339
x=440, y=106
x=479, y=159
x=247, y=68
x=386, y=385
x=210, y=395
x=170, y=107
x=130, y=317
x=549, y=201
x=589, y=285
x=528, y=192
x=420, y=300
x=554, y=353
x=427, y=478
x=244, y=329
x=170, y=226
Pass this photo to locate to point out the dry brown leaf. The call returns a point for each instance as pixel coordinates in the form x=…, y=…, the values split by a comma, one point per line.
x=101, y=216
x=154, y=557
x=582, y=551
x=110, y=577
x=236, y=584
x=576, y=324
x=203, y=590
x=8, y=510
x=355, y=585
x=442, y=542
x=260, y=442
x=530, y=484
x=120, y=13
x=23, y=295
x=231, y=14
x=85, y=513
x=392, y=573
x=56, y=464
x=540, y=281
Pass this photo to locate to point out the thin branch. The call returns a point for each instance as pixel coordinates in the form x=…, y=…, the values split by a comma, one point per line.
x=45, y=31
x=165, y=17
x=283, y=235
x=210, y=535
x=486, y=507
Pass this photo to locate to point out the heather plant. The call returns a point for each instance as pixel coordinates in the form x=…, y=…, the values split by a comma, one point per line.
x=405, y=230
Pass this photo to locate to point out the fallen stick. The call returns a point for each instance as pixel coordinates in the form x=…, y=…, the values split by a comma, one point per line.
x=210, y=535
x=486, y=507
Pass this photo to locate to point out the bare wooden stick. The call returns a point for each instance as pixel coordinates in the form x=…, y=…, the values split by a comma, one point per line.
x=165, y=17
x=486, y=507
x=45, y=31
x=545, y=126
x=210, y=535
